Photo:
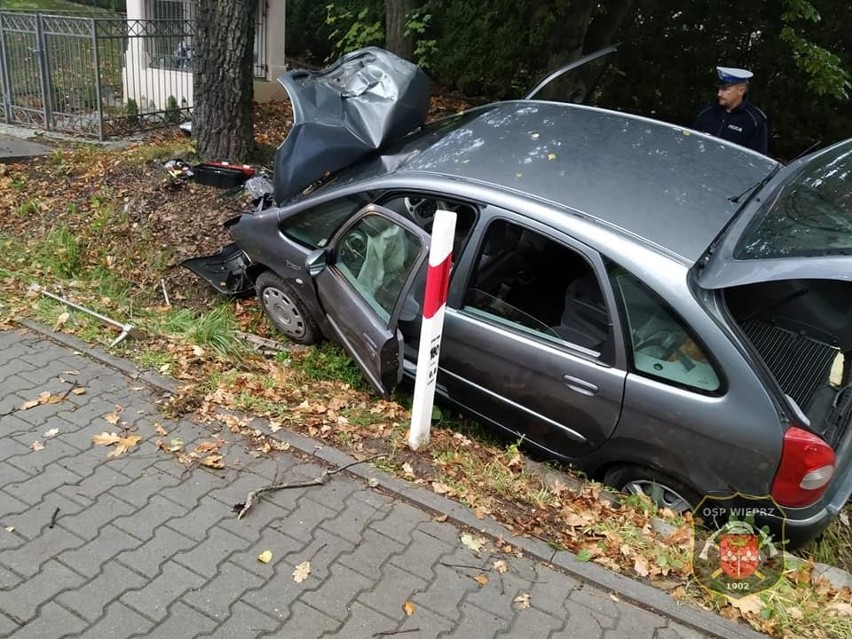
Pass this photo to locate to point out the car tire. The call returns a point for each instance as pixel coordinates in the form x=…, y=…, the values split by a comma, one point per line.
x=664, y=491
x=286, y=309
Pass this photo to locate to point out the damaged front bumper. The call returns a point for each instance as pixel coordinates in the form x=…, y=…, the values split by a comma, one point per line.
x=226, y=271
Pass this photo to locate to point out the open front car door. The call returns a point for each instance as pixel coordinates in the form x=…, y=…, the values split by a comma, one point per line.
x=363, y=279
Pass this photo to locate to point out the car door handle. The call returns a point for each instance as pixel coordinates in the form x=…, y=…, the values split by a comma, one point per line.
x=580, y=385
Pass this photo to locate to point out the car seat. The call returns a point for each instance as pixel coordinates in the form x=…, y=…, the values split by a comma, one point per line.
x=585, y=319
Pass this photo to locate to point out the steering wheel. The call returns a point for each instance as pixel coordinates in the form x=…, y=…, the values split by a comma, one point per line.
x=423, y=209
x=353, y=249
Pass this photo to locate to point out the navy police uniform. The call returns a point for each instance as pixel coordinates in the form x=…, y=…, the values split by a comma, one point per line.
x=745, y=125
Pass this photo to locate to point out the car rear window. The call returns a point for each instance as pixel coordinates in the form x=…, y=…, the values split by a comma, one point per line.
x=811, y=215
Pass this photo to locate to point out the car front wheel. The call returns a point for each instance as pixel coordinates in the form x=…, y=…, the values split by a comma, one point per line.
x=664, y=491
x=285, y=307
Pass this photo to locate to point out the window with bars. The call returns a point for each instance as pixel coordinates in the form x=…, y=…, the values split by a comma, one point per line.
x=172, y=34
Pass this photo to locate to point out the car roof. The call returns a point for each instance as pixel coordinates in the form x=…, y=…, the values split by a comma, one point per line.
x=667, y=185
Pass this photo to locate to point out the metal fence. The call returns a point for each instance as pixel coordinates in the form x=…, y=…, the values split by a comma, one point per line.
x=99, y=77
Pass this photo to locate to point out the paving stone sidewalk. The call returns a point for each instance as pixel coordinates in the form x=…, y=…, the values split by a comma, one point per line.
x=139, y=546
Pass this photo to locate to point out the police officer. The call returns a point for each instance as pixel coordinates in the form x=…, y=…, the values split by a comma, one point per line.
x=733, y=117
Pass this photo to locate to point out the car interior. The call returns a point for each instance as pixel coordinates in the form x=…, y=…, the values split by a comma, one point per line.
x=803, y=332
x=515, y=280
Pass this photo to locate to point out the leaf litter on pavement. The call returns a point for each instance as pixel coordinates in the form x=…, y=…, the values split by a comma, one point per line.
x=109, y=200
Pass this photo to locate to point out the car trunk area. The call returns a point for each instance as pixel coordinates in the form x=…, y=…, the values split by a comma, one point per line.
x=803, y=331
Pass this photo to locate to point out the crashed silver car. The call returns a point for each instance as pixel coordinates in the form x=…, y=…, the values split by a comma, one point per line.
x=668, y=311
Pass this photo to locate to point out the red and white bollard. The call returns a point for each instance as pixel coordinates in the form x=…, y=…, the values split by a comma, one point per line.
x=434, y=304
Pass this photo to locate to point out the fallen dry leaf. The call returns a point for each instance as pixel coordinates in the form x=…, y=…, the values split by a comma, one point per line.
x=112, y=418
x=748, y=604
x=63, y=317
x=500, y=566
x=213, y=461
x=265, y=557
x=640, y=566
x=122, y=444
x=10, y=529
x=407, y=469
x=53, y=432
x=440, y=518
x=43, y=398
x=372, y=482
x=302, y=571
x=840, y=608
x=275, y=427
x=441, y=489
x=409, y=608
x=106, y=439
x=207, y=447
x=37, y=445
x=160, y=430
x=481, y=579
x=575, y=520
x=78, y=390
x=480, y=512
x=523, y=600
x=473, y=543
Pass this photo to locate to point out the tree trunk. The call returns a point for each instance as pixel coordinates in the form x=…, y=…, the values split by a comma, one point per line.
x=605, y=24
x=396, y=15
x=223, y=83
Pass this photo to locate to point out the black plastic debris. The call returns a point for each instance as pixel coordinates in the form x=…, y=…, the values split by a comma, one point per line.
x=222, y=174
x=351, y=108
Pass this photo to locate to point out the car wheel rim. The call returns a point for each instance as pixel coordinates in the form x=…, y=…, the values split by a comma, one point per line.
x=283, y=311
x=660, y=494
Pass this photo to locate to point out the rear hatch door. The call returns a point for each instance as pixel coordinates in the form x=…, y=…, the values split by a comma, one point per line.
x=798, y=226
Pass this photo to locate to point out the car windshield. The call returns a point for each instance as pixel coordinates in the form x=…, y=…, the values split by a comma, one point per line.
x=811, y=215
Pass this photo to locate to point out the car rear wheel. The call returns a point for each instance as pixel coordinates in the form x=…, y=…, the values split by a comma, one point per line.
x=287, y=310
x=664, y=491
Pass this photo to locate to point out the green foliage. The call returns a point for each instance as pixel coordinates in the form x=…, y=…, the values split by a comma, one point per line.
x=351, y=31
x=172, y=110
x=61, y=253
x=213, y=329
x=329, y=362
x=132, y=112
x=826, y=75
x=425, y=49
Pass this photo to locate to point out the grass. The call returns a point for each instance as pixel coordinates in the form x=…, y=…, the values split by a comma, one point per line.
x=213, y=329
x=835, y=546
x=61, y=253
x=329, y=362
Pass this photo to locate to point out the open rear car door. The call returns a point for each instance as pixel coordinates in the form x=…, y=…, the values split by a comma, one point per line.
x=363, y=279
x=783, y=268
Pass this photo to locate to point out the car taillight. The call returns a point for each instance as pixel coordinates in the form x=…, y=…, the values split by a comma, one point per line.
x=806, y=468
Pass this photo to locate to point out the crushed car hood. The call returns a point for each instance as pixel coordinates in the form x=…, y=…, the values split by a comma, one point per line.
x=345, y=111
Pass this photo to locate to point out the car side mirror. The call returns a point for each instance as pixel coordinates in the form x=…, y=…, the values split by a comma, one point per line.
x=316, y=262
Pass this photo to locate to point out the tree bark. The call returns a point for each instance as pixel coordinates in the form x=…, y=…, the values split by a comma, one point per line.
x=223, y=84
x=396, y=15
